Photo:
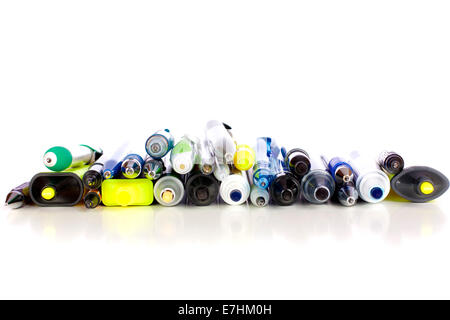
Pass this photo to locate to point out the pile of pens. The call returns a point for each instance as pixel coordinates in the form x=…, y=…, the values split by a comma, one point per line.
x=216, y=168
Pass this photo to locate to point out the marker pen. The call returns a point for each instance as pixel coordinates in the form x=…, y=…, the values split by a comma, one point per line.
x=298, y=162
x=132, y=166
x=259, y=197
x=340, y=170
x=159, y=144
x=127, y=192
x=420, y=184
x=373, y=185
x=19, y=196
x=390, y=162
x=183, y=155
x=317, y=185
x=112, y=164
x=206, y=157
x=347, y=194
x=285, y=187
x=201, y=189
x=169, y=189
x=153, y=168
x=50, y=189
x=244, y=157
x=92, y=199
x=221, y=171
x=220, y=138
x=264, y=170
x=62, y=158
x=93, y=178
x=235, y=189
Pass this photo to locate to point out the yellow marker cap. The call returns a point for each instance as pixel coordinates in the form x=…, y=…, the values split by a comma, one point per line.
x=167, y=196
x=244, y=157
x=426, y=187
x=48, y=193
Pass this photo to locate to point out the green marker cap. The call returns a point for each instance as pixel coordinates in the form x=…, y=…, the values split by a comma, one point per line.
x=57, y=158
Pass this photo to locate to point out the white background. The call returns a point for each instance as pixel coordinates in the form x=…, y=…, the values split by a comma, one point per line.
x=328, y=76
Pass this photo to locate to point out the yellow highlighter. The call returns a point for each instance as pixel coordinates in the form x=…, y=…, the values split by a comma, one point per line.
x=127, y=192
x=244, y=157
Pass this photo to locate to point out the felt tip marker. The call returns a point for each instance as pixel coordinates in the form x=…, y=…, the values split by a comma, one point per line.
x=340, y=170
x=112, y=164
x=169, y=189
x=153, y=168
x=222, y=171
x=347, y=194
x=62, y=158
x=201, y=189
x=206, y=157
x=219, y=136
x=373, y=185
x=298, y=162
x=390, y=162
x=92, y=199
x=266, y=154
x=132, y=166
x=285, y=187
x=420, y=184
x=318, y=185
x=183, y=155
x=19, y=196
x=159, y=144
x=259, y=197
x=93, y=178
x=127, y=192
x=235, y=189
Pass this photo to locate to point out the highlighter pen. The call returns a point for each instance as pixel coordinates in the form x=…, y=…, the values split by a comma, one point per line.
x=132, y=166
x=19, y=196
x=266, y=154
x=340, y=170
x=169, y=189
x=390, y=162
x=235, y=189
x=318, y=185
x=420, y=184
x=201, y=189
x=127, y=192
x=298, y=162
x=112, y=164
x=92, y=199
x=183, y=155
x=53, y=189
x=347, y=195
x=206, y=157
x=285, y=187
x=153, y=168
x=159, y=144
x=373, y=185
x=219, y=136
x=62, y=158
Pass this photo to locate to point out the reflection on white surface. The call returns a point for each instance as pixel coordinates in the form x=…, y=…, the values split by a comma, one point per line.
x=156, y=225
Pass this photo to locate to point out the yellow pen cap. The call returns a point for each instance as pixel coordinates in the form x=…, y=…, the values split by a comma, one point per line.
x=244, y=157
